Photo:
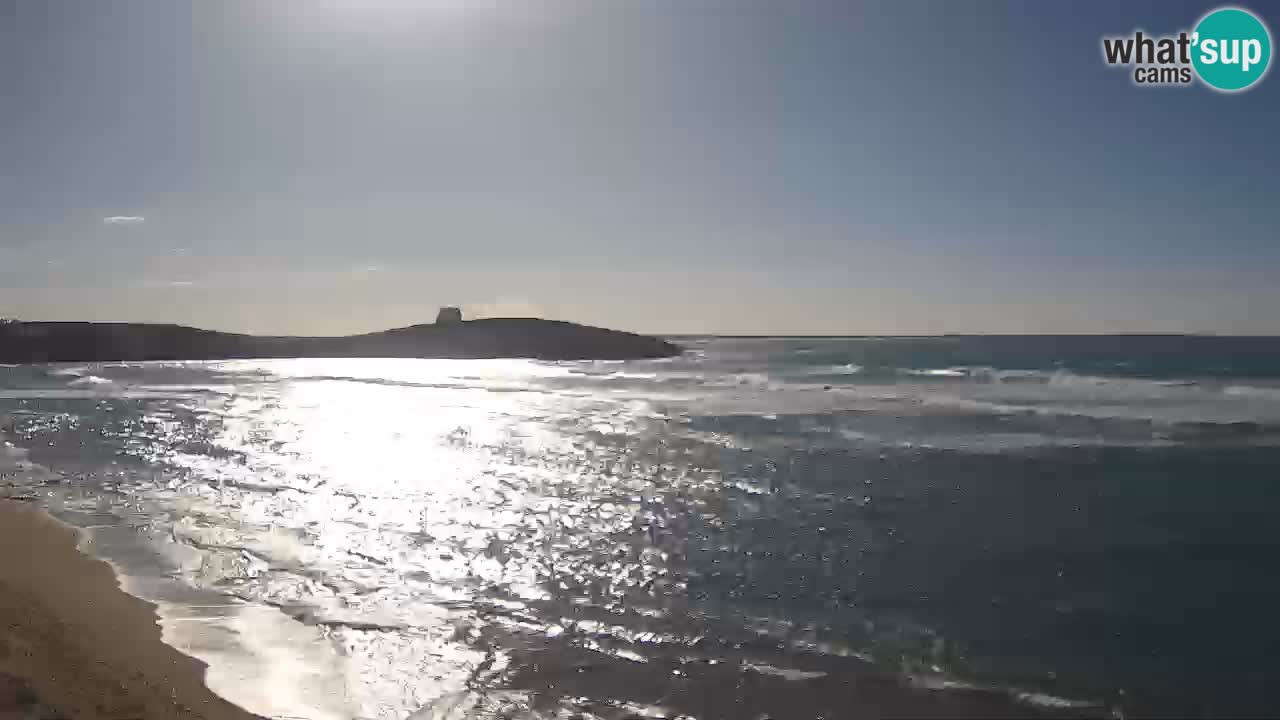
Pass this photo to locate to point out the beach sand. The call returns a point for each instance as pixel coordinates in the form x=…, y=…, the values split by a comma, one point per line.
x=74, y=645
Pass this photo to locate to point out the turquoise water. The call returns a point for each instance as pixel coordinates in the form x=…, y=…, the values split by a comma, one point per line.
x=780, y=526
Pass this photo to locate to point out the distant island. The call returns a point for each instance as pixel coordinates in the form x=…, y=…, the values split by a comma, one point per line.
x=449, y=337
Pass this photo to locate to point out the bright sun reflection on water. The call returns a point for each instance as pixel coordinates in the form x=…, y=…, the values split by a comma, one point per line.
x=412, y=510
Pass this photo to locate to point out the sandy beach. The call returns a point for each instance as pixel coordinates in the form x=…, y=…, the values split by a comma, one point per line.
x=73, y=644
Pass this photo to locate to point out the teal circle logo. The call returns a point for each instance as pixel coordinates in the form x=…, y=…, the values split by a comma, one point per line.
x=1231, y=49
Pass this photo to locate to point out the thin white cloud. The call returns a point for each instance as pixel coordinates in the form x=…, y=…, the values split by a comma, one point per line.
x=362, y=273
x=124, y=220
x=167, y=284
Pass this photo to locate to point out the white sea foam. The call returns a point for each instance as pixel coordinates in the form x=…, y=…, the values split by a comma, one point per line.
x=844, y=369
x=68, y=371
x=785, y=673
x=942, y=683
x=1052, y=701
x=1266, y=392
x=90, y=381
x=938, y=372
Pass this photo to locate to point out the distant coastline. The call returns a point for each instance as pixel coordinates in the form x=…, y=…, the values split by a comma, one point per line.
x=40, y=342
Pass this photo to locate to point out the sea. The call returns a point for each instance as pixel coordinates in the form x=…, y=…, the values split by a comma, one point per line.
x=758, y=528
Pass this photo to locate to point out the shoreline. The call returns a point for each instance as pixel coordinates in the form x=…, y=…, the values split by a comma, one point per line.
x=73, y=643
x=73, y=640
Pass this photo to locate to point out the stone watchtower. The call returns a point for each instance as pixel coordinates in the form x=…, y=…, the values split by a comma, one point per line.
x=448, y=315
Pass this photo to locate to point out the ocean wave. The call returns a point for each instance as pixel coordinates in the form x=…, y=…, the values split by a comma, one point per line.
x=1053, y=702
x=758, y=379
x=988, y=374
x=1048, y=410
x=68, y=371
x=677, y=380
x=1225, y=432
x=941, y=683
x=1068, y=379
x=791, y=674
x=937, y=372
x=90, y=381
x=18, y=474
x=1268, y=392
x=89, y=393
x=835, y=370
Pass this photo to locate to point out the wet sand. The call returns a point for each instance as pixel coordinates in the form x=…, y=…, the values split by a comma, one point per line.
x=74, y=645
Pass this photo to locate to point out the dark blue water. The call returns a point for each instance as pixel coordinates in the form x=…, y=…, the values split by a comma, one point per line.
x=1134, y=560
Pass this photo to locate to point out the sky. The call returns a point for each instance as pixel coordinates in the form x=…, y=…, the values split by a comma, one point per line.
x=665, y=166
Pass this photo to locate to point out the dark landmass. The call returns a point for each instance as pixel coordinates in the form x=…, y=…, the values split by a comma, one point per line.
x=40, y=342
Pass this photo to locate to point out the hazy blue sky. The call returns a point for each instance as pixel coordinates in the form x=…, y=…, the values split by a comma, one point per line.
x=737, y=166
